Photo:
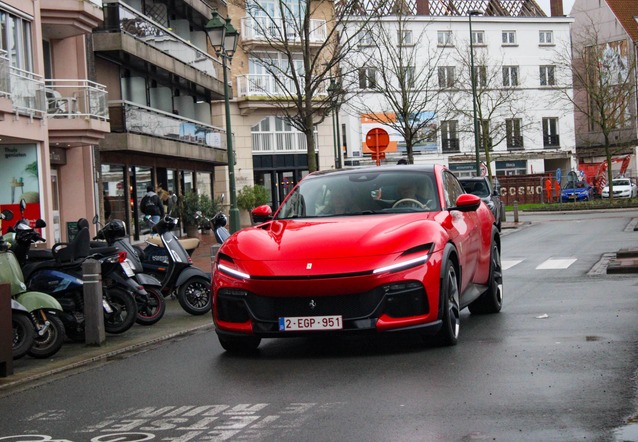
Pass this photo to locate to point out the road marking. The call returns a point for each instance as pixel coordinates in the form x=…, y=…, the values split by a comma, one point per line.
x=556, y=264
x=508, y=264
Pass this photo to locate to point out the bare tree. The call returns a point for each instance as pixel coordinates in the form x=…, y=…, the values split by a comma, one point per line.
x=395, y=74
x=604, y=79
x=306, y=48
x=500, y=101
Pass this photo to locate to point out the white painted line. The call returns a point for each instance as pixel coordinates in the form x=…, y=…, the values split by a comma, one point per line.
x=508, y=264
x=556, y=264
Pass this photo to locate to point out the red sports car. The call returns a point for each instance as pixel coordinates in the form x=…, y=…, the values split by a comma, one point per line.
x=378, y=249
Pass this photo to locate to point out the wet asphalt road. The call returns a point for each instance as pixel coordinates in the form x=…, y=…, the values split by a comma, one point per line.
x=557, y=364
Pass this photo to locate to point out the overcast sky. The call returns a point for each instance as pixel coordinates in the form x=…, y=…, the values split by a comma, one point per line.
x=567, y=6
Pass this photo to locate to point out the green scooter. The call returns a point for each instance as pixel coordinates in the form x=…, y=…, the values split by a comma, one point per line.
x=43, y=308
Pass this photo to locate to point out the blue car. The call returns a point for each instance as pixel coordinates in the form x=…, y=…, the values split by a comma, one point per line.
x=576, y=191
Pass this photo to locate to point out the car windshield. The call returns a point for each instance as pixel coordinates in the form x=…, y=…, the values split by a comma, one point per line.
x=621, y=182
x=476, y=187
x=361, y=193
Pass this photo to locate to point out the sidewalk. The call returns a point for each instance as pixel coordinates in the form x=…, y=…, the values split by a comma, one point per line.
x=176, y=322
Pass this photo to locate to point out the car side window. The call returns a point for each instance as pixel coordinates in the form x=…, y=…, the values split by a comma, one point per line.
x=451, y=188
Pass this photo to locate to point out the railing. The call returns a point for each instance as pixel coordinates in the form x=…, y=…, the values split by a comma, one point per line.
x=26, y=90
x=76, y=99
x=271, y=29
x=515, y=143
x=551, y=141
x=131, y=117
x=5, y=85
x=281, y=142
x=265, y=85
x=121, y=17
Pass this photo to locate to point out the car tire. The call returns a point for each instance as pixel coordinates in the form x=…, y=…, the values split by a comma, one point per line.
x=448, y=335
x=491, y=301
x=239, y=344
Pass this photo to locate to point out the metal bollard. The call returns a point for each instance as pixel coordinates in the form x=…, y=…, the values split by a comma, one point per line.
x=94, y=333
x=515, y=211
x=6, y=332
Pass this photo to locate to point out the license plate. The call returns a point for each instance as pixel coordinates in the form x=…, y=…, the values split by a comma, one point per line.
x=127, y=268
x=300, y=323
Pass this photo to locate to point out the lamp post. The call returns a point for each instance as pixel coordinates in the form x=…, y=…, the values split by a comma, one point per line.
x=333, y=93
x=473, y=73
x=223, y=37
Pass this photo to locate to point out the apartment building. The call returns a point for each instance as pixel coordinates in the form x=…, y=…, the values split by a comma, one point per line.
x=154, y=58
x=611, y=26
x=268, y=150
x=511, y=46
x=52, y=112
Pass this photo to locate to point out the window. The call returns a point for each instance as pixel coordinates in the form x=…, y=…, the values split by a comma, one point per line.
x=546, y=37
x=547, y=76
x=478, y=37
x=366, y=38
x=404, y=37
x=406, y=78
x=513, y=133
x=451, y=189
x=15, y=39
x=367, y=78
x=509, y=37
x=480, y=75
x=510, y=76
x=550, y=133
x=274, y=134
x=444, y=38
x=449, y=136
x=446, y=76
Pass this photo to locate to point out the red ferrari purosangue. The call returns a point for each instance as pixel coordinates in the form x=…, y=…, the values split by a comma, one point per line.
x=376, y=250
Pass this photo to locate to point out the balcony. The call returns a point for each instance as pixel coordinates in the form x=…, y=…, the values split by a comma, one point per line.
x=77, y=112
x=551, y=141
x=143, y=129
x=67, y=18
x=451, y=145
x=266, y=30
x=514, y=143
x=24, y=90
x=257, y=90
x=127, y=31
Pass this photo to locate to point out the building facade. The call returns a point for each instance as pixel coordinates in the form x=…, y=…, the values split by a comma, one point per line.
x=521, y=120
x=52, y=112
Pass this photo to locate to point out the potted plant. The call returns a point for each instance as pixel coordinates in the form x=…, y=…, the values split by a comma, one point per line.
x=193, y=208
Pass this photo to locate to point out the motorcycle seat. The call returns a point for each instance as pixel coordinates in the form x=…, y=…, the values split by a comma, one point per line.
x=187, y=243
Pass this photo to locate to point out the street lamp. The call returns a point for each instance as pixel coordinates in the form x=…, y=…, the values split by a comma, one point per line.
x=473, y=73
x=333, y=93
x=223, y=37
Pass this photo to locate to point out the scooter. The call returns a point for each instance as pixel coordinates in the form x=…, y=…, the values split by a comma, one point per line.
x=191, y=284
x=218, y=223
x=150, y=307
x=63, y=281
x=46, y=334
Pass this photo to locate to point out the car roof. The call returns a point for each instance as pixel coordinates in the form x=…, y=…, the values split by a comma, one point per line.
x=377, y=169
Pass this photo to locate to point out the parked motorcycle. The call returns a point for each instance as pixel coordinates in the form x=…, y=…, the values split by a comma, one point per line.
x=150, y=306
x=46, y=334
x=61, y=277
x=191, y=284
x=218, y=224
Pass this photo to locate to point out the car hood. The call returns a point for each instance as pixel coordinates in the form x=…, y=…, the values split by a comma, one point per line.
x=333, y=245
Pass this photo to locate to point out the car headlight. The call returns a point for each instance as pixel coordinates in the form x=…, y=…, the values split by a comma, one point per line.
x=414, y=257
x=229, y=269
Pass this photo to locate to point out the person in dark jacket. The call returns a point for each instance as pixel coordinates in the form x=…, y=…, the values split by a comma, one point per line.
x=152, y=205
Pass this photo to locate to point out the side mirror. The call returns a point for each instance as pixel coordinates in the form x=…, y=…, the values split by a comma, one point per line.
x=7, y=214
x=96, y=219
x=261, y=214
x=467, y=203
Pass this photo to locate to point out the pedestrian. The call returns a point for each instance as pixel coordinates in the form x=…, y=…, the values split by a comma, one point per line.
x=172, y=201
x=402, y=161
x=152, y=205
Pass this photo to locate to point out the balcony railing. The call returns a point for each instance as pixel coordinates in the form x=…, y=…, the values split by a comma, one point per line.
x=551, y=141
x=514, y=143
x=271, y=29
x=251, y=85
x=131, y=117
x=26, y=91
x=121, y=17
x=5, y=84
x=281, y=142
x=75, y=99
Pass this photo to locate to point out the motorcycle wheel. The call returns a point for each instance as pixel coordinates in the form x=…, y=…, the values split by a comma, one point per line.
x=23, y=333
x=151, y=309
x=195, y=295
x=51, y=341
x=124, y=311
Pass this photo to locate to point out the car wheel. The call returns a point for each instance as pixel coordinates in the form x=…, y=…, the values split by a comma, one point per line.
x=239, y=344
x=449, y=333
x=491, y=301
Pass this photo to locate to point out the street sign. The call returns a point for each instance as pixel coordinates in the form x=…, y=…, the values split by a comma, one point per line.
x=558, y=174
x=483, y=169
x=377, y=140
